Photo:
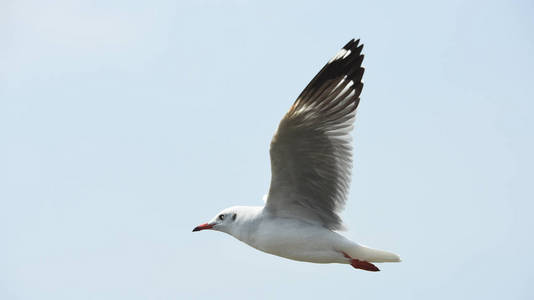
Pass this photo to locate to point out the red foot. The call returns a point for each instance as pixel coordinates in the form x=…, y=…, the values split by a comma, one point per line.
x=360, y=264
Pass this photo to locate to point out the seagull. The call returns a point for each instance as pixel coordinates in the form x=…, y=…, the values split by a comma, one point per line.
x=311, y=162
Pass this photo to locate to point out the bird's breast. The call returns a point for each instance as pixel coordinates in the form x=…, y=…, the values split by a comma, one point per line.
x=296, y=240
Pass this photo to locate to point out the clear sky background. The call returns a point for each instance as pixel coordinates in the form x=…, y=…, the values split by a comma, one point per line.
x=124, y=124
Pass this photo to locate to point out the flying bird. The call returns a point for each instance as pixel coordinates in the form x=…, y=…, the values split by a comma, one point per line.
x=311, y=162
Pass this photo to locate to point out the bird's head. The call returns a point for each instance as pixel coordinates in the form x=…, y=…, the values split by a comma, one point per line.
x=233, y=220
x=224, y=221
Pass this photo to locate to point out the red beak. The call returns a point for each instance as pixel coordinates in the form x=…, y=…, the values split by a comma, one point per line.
x=202, y=227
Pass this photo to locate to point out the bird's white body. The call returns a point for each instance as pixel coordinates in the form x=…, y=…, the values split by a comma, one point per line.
x=296, y=239
x=311, y=162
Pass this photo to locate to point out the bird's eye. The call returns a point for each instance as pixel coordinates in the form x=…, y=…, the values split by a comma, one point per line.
x=221, y=217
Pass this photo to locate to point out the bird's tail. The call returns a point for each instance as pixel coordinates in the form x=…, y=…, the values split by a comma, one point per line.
x=371, y=255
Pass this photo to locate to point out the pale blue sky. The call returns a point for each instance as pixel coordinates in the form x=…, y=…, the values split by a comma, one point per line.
x=123, y=125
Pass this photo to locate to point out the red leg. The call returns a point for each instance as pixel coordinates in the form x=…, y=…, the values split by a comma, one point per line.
x=360, y=264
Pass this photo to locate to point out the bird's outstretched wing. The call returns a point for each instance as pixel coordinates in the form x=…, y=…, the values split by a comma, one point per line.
x=311, y=152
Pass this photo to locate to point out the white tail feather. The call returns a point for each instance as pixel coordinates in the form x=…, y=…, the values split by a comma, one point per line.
x=371, y=255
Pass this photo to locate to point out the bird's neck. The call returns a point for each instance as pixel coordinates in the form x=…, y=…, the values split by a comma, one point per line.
x=247, y=221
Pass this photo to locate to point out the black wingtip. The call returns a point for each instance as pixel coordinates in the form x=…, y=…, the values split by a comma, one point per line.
x=353, y=44
x=347, y=63
x=349, y=44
